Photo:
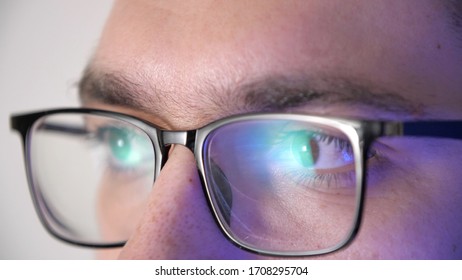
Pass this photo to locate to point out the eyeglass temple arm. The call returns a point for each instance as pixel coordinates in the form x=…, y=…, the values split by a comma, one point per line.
x=22, y=124
x=441, y=129
x=68, y=129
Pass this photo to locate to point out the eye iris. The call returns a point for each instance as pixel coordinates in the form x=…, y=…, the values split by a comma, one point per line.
x=122, y=148
x=305, y=149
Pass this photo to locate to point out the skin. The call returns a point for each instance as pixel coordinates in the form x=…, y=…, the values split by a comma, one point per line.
x=187, y=61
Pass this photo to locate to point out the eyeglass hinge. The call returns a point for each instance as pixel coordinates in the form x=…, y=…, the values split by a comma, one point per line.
x=392, y=128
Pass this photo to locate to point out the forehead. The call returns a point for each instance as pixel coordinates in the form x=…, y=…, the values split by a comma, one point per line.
x=184, y=49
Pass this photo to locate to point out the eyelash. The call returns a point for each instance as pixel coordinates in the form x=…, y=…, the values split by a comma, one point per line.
x=325, y=180
x=339, y=143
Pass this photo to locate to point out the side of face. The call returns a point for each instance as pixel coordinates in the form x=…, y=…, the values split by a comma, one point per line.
x=188, y=61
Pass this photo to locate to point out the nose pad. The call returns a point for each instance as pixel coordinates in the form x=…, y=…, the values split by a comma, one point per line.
x=177, y=223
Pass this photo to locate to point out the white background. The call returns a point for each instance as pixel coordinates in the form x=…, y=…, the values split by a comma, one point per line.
x=44, y=46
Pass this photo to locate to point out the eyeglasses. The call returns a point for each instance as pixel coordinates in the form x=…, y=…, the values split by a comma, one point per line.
x=277, y=184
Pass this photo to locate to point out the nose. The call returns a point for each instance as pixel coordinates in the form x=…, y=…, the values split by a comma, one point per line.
x=177, y=223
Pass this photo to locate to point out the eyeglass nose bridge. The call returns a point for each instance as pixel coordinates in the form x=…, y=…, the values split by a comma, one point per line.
x=185, y=138
x=165, y=139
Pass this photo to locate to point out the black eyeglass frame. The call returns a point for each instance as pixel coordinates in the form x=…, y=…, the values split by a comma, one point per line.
x=361, y=133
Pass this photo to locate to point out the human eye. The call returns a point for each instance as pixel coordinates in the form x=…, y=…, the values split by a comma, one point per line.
x=123, y=149
x=313, y=157
x=317, y=151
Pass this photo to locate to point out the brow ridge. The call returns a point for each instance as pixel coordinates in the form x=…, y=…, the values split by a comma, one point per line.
x=272, y=93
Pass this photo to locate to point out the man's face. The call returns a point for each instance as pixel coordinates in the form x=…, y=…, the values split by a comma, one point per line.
x=185, y=64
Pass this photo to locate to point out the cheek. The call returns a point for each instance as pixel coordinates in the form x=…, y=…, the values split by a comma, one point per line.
x=416, y=210
x=120, y=205
x=295, y=220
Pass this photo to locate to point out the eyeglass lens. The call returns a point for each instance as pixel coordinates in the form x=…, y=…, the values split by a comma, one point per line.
x=92, y=174
x=276, y=185
x=284, y=186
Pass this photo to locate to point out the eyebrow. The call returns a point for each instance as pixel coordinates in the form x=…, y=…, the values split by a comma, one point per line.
x=281, y=92
x=267, y=94
x=113, y=89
